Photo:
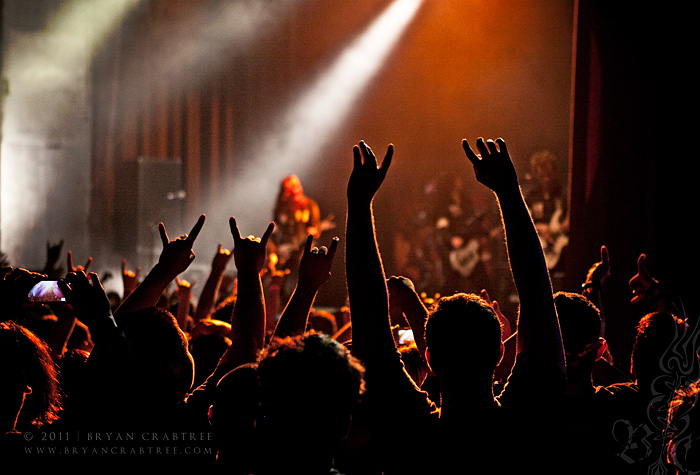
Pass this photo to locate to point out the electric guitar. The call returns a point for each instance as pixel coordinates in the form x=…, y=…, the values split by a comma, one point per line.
x=286, y=251
x=553, y=238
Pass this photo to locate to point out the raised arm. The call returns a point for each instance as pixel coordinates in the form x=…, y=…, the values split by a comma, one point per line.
x=506, y=329
x=72, y=268
x=648, y=291
x=184, y=300
x=404, y=299
x=130, y=279
x=52, y=269
x=314, y=271
x=248, y=320
x=538, y=325
x=210, y=291
x=176, y=257
x=90, y=304
x=366, y=281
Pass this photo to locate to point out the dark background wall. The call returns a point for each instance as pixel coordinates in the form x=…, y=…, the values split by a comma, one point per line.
x=631, y=174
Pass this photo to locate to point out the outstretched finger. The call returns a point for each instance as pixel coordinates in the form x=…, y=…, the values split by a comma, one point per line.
x=65, y=289
x=641, y=265
x=368, y=154
x=357, y=157
x=78, y=280
x=70, y=260
x=163, y=234
x=308, y=244
x=235, y=232
x=493, y=150
x=333, y=248
x=481, y=146
x=268, y=233
x=469, y=152
x=95, y=280
x=604, y=256
x=502, y=145
x=387, y=158
x=196, y=229
x=87, y=264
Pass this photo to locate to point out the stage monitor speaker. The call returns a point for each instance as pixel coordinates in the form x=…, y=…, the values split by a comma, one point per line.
x=149, y=190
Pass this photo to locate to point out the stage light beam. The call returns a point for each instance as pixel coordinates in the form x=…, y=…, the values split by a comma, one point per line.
x=45, y=134
x=294, y=143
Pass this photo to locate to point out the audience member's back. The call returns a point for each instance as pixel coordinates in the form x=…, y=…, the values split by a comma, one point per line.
x=308, y=386
x=590, y=412
x=308, y=389
x=657, y=365
x=620, y=426
x=164, y=368
x=139, y=381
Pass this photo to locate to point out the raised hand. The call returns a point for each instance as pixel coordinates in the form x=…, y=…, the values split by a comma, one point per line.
x=72, y=268
x=600, y=271
x=175, y=258
x=314, y=271
x=177, y=255
x=210, y=326
x=85, y=294
x=506, y=330
x=364, y=271
x=538, y=326
x=399, y=288
x=53, y=251
x=221, y=259
x=315, y=264
x=130, y=278
x=184, y=297
x=210, y=290
x=248, y=319
x=402, y=293
x=405, y=302
x=184, y=288
x=642, y=284
x=492, y=165
x=249, y=253
x=366, y=176
x=53, y=254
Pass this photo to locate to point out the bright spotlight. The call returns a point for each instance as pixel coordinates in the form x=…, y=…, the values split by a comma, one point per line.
x=297, y=140
x=44, y=131
x=327, y=102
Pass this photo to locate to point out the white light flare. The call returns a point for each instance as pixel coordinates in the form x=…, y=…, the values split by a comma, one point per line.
x=45, y=124
x=296, y=141
x=328, y=101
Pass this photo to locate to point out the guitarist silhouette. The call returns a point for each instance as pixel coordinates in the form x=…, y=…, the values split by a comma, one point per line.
x=295, y=216
x=547, y=202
